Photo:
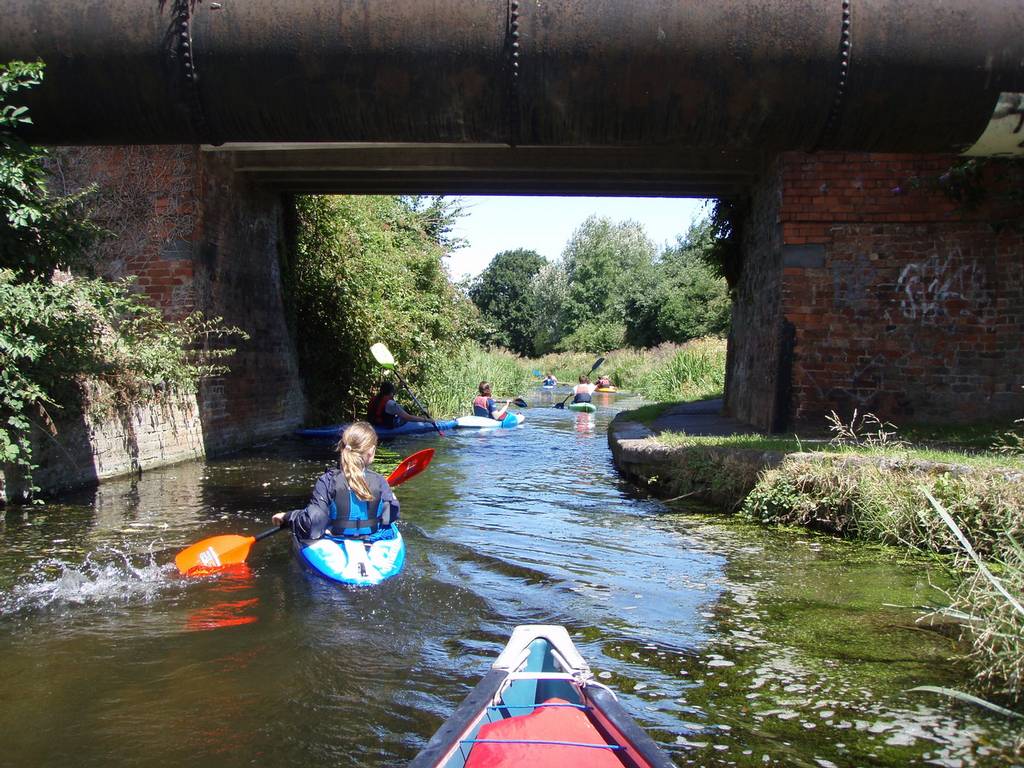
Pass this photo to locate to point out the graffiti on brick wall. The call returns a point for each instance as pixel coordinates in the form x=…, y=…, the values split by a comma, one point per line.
x=941, y=288
x=861, y=390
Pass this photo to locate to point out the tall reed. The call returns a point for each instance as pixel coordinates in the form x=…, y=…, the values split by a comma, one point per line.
x=450, y=382
x=691, y=371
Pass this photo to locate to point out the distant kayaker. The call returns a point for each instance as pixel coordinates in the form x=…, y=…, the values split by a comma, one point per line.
x=385, y=412
x=485, y=405
x=582, y=391
x=352, y=501
x=550, y=380
x=603, y=382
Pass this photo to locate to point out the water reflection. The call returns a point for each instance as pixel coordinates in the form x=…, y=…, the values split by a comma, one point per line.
x=234, y=585
x=733, y=644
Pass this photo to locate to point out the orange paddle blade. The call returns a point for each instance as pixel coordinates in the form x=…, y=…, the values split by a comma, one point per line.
x=212, y=553
x=411, y=466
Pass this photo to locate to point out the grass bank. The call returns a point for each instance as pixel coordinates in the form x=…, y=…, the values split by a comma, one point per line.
x=691, y=371
x=888, y=502
x=962, y=505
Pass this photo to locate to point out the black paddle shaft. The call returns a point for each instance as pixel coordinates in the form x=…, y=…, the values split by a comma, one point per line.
x=416, y=400
x=270, y=532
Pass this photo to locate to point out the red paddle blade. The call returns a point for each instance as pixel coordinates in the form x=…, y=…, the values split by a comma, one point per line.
x=213, y=553
x=411, y=466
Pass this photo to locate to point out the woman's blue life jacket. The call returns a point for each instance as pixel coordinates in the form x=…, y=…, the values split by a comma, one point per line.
x=335, y=510
x=582, y=397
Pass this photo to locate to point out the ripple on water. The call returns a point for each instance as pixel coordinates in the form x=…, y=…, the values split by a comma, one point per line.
x=732, y=644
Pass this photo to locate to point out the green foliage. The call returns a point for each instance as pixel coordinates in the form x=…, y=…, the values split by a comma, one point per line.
x=694, y=301
x=547, y=294
x=609, y=289
x=59, y=332
x=370, y=269
x=502, y=294
x=450, y=380
x=594, y=336
x=693, y=371
x=726, y=253
x=38, y=233
x=606, y=264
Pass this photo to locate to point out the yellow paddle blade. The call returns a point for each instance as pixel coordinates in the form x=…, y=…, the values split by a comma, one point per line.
x=382, y=355
x=212, y=553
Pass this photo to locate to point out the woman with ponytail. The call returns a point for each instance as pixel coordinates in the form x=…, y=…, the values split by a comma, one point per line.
x=349, y=502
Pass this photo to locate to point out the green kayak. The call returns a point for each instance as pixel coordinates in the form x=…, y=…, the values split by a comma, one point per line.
x=586, y=407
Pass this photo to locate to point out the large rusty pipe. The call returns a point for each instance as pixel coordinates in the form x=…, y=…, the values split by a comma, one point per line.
x=879, y=75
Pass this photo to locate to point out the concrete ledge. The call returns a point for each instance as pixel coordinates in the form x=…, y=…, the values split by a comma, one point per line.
x=722, y=476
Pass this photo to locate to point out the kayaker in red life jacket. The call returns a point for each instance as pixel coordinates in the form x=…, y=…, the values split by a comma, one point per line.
x=385, y=412
x=484, y=405
x=583, y=390
x=603, y=381
x=351, y=501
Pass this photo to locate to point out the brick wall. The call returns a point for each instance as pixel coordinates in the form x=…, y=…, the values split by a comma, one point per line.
x=240, y=234
x=902, y=302
x=194, y=238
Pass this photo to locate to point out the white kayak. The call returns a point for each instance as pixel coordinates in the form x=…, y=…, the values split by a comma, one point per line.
x=510, y=421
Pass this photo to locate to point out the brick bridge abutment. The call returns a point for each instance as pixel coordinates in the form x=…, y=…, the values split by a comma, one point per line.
x=864, y=285
x=195, y=236
x=881, y=283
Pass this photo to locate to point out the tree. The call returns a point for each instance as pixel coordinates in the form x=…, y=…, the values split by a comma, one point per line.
x=694, y=298
x=607, y=264
x=502, y=293
x=38, y=232
x=368, y=269
x=547, y=294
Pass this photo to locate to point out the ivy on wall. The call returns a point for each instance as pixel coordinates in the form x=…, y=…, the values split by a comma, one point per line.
x=60, y=326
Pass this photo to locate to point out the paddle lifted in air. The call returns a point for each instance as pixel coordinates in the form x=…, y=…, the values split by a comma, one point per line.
x=386, y=360
x=583, y=381
x=233, y=549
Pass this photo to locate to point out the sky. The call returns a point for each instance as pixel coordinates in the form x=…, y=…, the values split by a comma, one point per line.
x=545, y=224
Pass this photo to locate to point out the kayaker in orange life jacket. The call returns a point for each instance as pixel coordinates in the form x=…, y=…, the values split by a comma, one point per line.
x=484, y=405
x=385, y=412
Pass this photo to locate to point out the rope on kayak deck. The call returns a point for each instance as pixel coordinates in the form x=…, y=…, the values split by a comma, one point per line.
x=542, y=743
x=537, y=706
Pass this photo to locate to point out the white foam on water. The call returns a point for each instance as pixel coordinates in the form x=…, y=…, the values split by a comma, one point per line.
x=106, y=576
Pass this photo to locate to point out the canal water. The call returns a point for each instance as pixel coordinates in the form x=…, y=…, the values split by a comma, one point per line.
x=731, y=643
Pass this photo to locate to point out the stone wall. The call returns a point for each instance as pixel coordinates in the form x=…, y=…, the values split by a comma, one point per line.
x=756, y=339
x=898, y=300
x=103, y=443
x=194, y=238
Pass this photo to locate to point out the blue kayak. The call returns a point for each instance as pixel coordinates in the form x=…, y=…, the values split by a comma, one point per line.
x=409, y=428
x=357, y=562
